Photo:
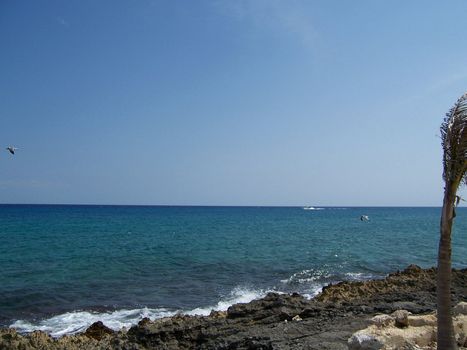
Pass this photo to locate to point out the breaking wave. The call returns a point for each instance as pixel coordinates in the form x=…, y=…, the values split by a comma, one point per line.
x=78, y=321
x=310, y=282
x=238, y=295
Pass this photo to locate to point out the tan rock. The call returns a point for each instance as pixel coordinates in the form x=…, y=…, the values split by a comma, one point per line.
x=382, y=320
x=401, y=318
x=363, y=340
x=461, y=308
x=218, y=314
x=460, y=330
x=419, y=334
x=391, y=338
x=422, y=320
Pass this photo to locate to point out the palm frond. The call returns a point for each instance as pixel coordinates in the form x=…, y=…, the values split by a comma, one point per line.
x=454, y=142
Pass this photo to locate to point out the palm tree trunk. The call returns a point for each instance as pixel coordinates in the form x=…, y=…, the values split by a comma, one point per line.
x=446, y=340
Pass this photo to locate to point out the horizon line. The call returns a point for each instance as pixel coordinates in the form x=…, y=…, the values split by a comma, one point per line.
x=223, y=205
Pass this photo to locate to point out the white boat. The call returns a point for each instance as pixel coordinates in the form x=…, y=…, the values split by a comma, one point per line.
x=309, y=208
x=365, y=218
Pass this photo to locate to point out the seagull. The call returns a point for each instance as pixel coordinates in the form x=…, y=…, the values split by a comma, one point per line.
x=11, y=149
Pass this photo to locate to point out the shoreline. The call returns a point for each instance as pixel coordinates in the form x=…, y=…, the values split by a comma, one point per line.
x=76, y=321
x=277, y=321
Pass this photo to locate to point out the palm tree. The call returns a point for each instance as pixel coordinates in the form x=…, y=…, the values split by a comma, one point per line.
x=454, y=143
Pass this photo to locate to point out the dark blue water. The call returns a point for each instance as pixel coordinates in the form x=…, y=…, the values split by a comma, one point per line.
x=63, y=267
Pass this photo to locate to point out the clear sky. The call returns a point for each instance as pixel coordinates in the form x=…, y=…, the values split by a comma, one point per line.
x=216, y=102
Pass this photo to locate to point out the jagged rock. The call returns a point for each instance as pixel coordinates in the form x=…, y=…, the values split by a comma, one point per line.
x=327, y=321
x=144, y=321
x=273, y=306
x=98, y=330
x=413, y=269
x=37, y=339
x=396, y=284
x=401, y=318
x=296, y=318
x=218, y=314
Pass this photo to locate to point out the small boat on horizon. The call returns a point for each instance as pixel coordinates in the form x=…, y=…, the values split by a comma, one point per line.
x=310, y=208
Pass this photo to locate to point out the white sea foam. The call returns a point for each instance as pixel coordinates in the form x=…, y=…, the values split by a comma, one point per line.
x=313, y=280
x=359, y=276
x=238, y=295
x=78, y=321
x=314, y=291
x=306, y=276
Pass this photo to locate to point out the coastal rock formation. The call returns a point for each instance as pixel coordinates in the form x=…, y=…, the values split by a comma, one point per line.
x=98, y=331
x=277, y=321
x=10, y=339
x=404, y=331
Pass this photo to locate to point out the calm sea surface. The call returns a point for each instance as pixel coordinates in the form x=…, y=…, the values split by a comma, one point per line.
x=64, y=267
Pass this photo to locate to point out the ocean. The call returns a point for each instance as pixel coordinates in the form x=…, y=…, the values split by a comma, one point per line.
x=64, y=267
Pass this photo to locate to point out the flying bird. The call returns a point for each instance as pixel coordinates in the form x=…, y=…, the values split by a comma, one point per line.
x=11, y=149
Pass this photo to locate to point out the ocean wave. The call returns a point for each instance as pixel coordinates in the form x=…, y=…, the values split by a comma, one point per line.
x=238, y=295
x=314, y=290
x=360, y=276
x=78, y=321
x=310, y=282
x=314, y=275
x=306, y=276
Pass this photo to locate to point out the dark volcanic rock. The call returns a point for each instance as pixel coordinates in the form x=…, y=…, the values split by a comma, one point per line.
x=273, y=307
x=97, y=331
x=325, y=322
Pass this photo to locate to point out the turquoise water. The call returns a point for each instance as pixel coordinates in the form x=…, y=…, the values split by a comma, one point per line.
x=64, y=267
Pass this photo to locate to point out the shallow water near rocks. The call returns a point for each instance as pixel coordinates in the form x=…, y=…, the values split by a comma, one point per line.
x=64, y=267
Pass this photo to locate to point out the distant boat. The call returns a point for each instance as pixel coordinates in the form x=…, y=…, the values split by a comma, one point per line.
x=364, y=218
x=309, y=208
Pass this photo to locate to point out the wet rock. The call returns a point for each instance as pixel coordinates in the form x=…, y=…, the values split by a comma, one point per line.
x=218, y=314
x=98, y=330
x=144, y=321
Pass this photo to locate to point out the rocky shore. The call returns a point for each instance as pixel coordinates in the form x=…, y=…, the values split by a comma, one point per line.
x=275, y=322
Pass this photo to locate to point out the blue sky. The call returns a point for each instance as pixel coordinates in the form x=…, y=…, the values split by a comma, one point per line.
x=260, y=102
